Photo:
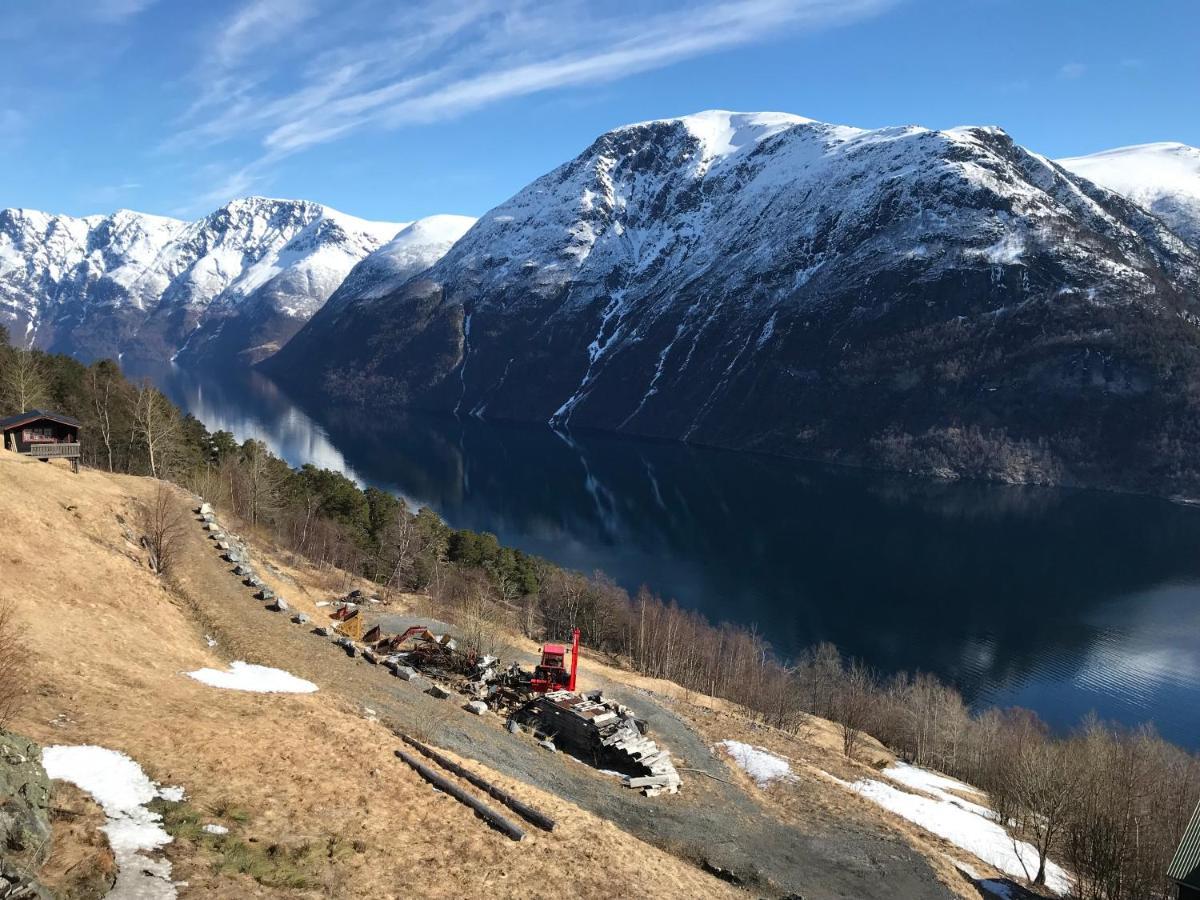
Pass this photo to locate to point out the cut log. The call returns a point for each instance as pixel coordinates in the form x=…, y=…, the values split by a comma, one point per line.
x=484, y=811
x=524, y=810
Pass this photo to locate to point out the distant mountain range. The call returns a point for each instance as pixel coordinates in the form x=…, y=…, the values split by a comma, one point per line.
x=233, y=286
x=942, y=302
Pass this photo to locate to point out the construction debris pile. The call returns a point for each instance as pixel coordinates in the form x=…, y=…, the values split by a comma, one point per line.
x=606, y=734
x=591, y=728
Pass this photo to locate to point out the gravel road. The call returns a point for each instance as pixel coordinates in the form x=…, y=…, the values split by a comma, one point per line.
x=710, y=820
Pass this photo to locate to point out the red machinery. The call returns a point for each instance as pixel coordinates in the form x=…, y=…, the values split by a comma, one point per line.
x=551, y=674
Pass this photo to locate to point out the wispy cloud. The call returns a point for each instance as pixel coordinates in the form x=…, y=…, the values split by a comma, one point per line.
x=287, y=75
x=1072, y=70
x=113, y=10
x=109, y=194
x=258, y=24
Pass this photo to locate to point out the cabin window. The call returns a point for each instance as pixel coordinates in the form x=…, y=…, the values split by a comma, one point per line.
x=39, y=434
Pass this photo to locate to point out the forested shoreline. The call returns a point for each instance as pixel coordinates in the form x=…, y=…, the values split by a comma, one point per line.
x=1106, y=802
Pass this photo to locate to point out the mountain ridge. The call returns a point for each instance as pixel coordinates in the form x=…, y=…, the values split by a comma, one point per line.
x=748, y=298
x=1163, y=176
x=231, y=286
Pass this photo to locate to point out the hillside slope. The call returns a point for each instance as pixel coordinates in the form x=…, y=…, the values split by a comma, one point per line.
x=316, y=804
x=310, y=775
x=936, y=301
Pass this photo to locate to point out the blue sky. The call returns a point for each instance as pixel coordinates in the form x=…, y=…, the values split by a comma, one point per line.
x=394, y=110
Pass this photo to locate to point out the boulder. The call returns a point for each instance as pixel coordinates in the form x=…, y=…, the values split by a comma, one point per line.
x=548, y=745
x=253, y=581
x=323, y=631
x=222, y=545
x=476, y=706
x=300, y=619
x=212, y=526
x=407, y=673
x=280, y=605
x=370, y=657
x=205, y=509
x=266, y=594
x=24, y=806
x=439, y=692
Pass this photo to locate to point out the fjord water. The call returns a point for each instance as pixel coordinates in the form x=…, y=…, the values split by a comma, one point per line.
x=1061, y=601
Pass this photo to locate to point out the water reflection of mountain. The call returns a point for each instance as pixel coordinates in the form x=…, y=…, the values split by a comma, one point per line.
x=247, y=405
x=1062, y=600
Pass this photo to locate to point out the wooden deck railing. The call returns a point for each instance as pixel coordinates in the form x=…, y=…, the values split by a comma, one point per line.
x=54, y=451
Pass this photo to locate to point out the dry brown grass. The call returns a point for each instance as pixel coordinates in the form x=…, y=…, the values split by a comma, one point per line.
x=81, y=865
x=14, y=681
x=107, y=643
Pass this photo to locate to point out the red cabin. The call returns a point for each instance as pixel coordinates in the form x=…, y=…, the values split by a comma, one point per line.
x=42, y=435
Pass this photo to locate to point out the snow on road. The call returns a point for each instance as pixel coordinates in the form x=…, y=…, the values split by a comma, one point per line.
x=122, y=789
x=243, y=676
x=760, y=764
x=967, y=825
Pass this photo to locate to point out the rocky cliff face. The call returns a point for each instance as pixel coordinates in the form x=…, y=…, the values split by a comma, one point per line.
x=936, y=301
x=232, y=286
x=24, y=816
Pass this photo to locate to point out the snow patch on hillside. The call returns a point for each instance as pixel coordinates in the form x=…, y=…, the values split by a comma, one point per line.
x=968, y=825
x=122, y=789
x=242, y=676
x=759, y=763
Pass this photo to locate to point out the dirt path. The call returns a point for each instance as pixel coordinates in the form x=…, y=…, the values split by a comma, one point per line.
x=711, y=820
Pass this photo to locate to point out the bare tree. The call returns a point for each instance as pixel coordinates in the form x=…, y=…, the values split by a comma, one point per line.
x=1037, y=793
x=24, y=382
x=261, y=496
x=472, y=605
x=14, y=664
x=102, y=388
x=853, y=700
x=155, y=426
x=402, y=542
x=162, y=522
x=527, y=614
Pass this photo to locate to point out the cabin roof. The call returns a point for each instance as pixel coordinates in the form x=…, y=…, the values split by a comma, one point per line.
x=34, y=415
x=1185, y=867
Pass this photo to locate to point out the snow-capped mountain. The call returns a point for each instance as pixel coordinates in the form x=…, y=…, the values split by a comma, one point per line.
x=941, y=301
x=1163, y=177
x=234, y=284
x=409, y=253
x=417, y=247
